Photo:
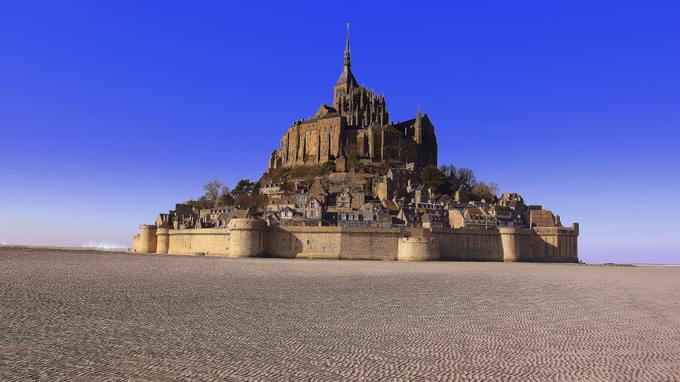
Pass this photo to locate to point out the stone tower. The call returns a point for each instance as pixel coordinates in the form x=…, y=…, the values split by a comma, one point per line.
x=346, y=82
x=355, y=131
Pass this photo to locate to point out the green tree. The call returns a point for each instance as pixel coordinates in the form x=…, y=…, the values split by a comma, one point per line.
x=456, y=177
x=244, y=187
x=432, y=177
x=466, y=176
x=484, y=191
x=216, y=194
x=226, y=199
x=448, y=170
x=253, y=202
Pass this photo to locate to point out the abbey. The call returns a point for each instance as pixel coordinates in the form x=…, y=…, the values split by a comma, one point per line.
x=349, y=184
x=356, y=129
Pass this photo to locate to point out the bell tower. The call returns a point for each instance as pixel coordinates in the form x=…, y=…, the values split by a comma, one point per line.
x=346, y=81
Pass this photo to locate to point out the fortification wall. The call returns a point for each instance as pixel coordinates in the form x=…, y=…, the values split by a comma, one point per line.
x=135, y=243
x=554, y=244
x=370, y=243
x=247, y=237
x=251, y=237
x=333, y=242
x=303, y=242
x=418, y=248
x=145, y=241
x=549, y=244
x=470, y=244
x=162, y=240
x=207, y=241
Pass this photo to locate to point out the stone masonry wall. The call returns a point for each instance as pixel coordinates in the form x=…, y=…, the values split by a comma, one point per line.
x=504, y=244
x=207, y=241
x=470, y=244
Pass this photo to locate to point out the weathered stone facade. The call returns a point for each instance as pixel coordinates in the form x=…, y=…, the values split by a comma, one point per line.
x=252, y=237
x=356, y=127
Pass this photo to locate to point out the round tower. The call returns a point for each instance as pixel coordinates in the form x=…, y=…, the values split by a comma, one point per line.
x=418, y=248
x=162, y=240
x=510, y=243
x=246, y=237
x=147, y=238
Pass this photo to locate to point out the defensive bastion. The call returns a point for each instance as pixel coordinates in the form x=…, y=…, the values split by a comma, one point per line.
x=252, y=237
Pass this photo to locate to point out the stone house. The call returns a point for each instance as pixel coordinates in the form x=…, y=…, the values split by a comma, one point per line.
x=358, y=218
x=343, y=202
x=301, y=197
x=478, y=217
x=271, y=189
x=471, y=217
x=222, y=220
x=503, y=215
x=543, y=218
x=409, y=216
x=278, y=202
x=395, y=182
x=391, y=207
x=314, y=210
x=432, y=221
x=291, y=217
x=457, y=218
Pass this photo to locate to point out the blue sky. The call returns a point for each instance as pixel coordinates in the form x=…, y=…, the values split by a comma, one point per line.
x=111, y=112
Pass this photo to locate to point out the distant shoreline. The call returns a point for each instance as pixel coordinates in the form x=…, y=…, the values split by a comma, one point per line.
x=7, y=247
x=19, y=247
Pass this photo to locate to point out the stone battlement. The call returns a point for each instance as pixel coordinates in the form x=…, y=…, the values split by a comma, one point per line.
x=252, y=237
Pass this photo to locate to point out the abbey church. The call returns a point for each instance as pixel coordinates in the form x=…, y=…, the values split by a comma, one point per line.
x=347, y=183
x=356, y=129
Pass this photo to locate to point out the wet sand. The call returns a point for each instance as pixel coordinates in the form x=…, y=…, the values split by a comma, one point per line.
x=108, y=316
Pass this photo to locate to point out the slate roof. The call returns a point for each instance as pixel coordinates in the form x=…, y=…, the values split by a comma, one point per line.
x=347, y=77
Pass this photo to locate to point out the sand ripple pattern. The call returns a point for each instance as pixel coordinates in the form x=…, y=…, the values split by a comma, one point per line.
x=96, y=317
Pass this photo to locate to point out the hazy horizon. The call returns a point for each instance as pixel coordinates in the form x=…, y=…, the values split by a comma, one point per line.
x=113, y=113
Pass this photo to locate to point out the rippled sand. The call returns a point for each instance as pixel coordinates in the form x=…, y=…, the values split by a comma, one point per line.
x=77, y=316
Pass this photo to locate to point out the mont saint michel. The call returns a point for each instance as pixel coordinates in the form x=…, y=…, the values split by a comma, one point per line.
x=242, y=191
x=349, y=183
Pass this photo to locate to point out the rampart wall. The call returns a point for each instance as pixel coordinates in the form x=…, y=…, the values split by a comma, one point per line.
x=205, y=241
x=333, y=242
x=251, y=237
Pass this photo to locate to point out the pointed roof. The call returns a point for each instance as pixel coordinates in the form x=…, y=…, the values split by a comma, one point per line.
x=347, y=77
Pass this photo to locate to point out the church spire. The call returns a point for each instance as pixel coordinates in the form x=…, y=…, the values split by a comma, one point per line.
x=346, y=82
x=347, y=51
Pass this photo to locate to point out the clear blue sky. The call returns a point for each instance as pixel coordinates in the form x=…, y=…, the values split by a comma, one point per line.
x=112, y=111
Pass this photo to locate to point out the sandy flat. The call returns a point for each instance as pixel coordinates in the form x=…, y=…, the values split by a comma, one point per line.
x=104, y=316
